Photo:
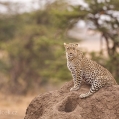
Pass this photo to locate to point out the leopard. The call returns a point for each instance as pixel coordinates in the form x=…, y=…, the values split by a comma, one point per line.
x=87, y=70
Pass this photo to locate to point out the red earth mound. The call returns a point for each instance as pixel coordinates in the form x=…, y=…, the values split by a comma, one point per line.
x=63, y=104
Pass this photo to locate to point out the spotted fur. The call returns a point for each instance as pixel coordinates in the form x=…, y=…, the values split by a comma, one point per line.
x=83, y=68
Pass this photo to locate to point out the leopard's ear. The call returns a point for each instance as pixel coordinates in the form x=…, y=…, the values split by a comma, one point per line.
x=64, y=44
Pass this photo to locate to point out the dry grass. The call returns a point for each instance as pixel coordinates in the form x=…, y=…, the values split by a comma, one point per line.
x=14, y=107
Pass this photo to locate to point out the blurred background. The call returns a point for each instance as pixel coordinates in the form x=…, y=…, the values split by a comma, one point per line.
x=32, y=55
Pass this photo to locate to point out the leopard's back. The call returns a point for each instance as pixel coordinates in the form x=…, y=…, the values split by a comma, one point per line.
x=91, y=70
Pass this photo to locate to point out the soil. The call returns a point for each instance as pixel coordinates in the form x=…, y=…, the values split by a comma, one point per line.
x=63, y=104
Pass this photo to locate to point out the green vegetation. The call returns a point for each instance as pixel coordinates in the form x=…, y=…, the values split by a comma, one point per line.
x=31, y=44
x=32, y=48
x=103, y=16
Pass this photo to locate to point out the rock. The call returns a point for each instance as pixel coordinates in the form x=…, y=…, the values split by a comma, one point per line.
x=63, y=104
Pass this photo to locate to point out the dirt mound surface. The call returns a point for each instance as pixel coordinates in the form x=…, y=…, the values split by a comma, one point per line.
x=63, y=104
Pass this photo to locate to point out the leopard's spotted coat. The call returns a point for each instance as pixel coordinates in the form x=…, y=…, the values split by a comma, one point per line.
x=83, y=68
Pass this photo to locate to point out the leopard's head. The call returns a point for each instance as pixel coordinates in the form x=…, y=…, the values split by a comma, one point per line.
x=71, y=50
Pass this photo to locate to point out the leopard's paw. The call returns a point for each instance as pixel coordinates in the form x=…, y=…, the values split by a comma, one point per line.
x=74, y=88
x=83, y=96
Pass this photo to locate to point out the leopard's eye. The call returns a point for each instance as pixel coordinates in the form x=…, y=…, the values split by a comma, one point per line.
x=73, y=48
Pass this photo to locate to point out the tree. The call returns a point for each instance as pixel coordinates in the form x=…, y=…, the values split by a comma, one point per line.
x=102, y=16
x=32, y=45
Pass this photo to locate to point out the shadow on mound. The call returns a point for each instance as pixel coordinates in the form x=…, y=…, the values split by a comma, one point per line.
x=68, y=105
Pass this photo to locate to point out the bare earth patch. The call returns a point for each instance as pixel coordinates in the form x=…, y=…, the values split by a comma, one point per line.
x=63, y=104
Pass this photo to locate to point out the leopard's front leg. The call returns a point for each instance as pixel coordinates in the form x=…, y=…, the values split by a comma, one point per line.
x=77, y=78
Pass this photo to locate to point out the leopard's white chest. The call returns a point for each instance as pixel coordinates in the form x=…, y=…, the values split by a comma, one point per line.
x=70, y=65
